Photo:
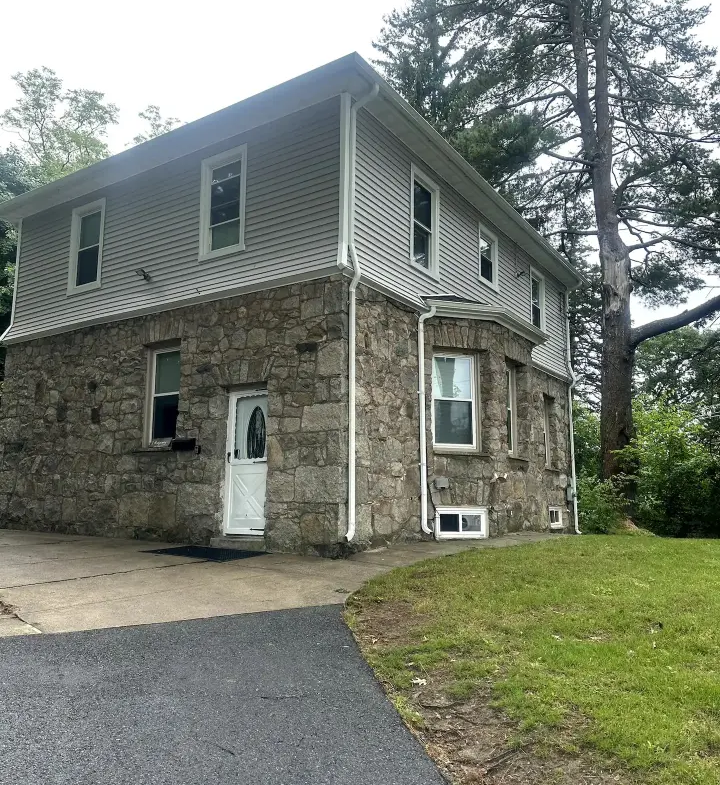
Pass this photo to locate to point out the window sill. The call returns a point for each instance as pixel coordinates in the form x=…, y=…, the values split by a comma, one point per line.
x=553, y=470
x=86, y=287
x=518, y=458
x=163, y=448
x=494, y=286
x=459, y=452
x=208, y=256
x=434, y=274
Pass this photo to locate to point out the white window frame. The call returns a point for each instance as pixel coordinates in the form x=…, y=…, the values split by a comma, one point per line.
x=547, y=404
x=494, y=245
x=474, y=403
x=560, y=524
x=511, y=379
x=481, y=511
x=151, y=395
x=207, y=166
x=540, y=278
x=433, y=268
x=77, y=215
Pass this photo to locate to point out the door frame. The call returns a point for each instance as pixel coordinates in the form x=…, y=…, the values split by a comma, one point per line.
x=233, y=397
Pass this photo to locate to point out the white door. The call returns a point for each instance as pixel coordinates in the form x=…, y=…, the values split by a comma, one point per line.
x=246, y=474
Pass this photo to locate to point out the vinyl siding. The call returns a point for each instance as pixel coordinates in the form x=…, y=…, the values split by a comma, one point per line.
x=382, y=239
x=152, y=222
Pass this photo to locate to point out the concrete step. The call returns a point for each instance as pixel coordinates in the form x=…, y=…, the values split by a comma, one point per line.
x=240, y=542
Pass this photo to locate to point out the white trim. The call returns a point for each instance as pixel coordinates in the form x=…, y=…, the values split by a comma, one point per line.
x=481, y=511
x=560, y=524
x=150, y=395
x=346, y=150
x=488, y=313
x=540, y=278
x=422, y=409
x=494, y=257
x=561, y=377
x=511, y=406
x=15, y=280
x=474, y=404
x=206, y=170
x=171, y=305
x=433, y=268
x=77, y=215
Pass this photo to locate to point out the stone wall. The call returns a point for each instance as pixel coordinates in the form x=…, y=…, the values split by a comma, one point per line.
x=72, y=413
x=517, y=490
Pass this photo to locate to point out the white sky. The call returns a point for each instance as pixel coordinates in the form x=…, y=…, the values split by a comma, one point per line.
x=191, y=58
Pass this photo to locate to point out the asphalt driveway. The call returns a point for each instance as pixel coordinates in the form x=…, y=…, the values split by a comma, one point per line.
x=281, y=698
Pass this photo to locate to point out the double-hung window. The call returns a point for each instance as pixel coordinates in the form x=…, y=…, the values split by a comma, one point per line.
x=424, y=222
x=511, y=416
x=222, y=203
x=86, y=244
x=537, y=300
x=164, y=395
x=488, y=257
x=454, y=402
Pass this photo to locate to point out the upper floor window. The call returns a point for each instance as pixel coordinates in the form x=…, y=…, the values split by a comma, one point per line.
x=222, y=203
x=454, y=401
x=488, y=257
x=86, y=242
x=424, y=222
x=163, y=396
x=537, y=300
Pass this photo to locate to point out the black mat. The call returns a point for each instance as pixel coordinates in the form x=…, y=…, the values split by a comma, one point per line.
x=209, y=554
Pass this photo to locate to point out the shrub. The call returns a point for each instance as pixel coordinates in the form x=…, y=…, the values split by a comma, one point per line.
x=601, y=508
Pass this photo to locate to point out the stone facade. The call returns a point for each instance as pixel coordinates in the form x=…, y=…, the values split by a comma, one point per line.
x=72, y=415
x=517, y=490
x=73, y=412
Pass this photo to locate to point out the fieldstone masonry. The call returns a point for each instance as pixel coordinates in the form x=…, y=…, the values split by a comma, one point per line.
x=73, y=410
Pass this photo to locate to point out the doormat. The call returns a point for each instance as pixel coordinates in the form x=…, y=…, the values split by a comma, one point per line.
x=203, y=552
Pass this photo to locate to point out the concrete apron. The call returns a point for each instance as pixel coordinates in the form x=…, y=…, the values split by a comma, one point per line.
x=59, y=583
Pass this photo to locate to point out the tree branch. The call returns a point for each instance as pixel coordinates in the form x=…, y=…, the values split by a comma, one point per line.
x=662, y=326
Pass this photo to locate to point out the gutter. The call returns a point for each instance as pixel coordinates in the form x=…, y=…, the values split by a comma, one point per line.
x=571, y=387
x=349, y=202
x=423, y=433
x=15, y=284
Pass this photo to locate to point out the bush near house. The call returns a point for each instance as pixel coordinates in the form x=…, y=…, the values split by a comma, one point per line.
x=598, y=654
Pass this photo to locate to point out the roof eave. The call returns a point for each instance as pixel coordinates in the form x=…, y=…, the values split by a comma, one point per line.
x=489, y=313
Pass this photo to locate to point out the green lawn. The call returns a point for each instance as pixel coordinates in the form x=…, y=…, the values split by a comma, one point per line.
x=614, y=640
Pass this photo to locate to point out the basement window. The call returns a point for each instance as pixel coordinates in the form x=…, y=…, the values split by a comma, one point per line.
x=556, y=518
x=164, y=396
x=461, y=522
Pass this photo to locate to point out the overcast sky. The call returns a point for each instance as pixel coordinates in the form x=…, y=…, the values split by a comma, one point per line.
x=192, y=58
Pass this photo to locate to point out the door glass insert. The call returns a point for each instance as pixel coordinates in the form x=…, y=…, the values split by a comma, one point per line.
x=250, y=428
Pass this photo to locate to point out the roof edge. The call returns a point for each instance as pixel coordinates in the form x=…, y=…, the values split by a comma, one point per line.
x=489, y=313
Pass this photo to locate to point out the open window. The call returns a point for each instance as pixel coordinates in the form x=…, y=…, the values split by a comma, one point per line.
x=461, y=522
x=424, y=223
x=488, y=257
x=86, y=245
x=222, y=203
x=163, y=396
x=454, y=402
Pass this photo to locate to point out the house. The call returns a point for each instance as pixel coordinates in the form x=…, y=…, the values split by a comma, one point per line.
x=302, y=323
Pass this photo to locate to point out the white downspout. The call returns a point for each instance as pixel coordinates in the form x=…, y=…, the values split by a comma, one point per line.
x=570, y=413
x=15, y=284
x=352, y=326
x=423, y=434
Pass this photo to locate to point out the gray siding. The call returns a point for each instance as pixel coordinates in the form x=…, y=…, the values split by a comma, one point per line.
x=152, y=221
x=382, y=239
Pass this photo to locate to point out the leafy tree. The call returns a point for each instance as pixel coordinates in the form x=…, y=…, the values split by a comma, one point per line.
x=59, y=130
x=157, y=124
x=621, y=99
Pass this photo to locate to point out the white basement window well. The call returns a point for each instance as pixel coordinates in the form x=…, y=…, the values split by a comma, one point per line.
x=424, y=223
x=454, y=402
x=461, y=522
x=86, y=246
x=537, y=300
x=222, y=203
x=556, y=518
x=488, y=257
x=163, y=396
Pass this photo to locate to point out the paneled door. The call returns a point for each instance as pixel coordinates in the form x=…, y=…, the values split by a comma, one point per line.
x=246, y=475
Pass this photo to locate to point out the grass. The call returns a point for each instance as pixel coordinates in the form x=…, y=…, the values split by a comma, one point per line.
x=615, y=640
